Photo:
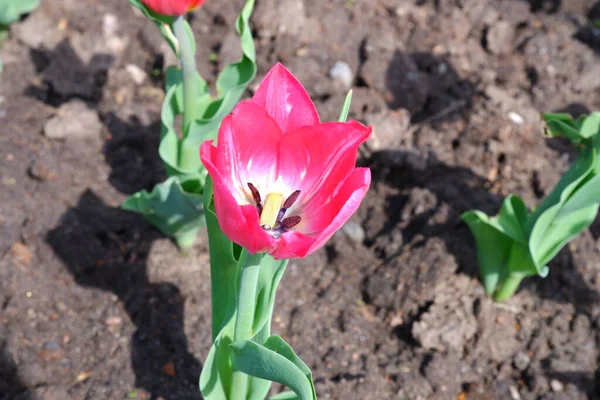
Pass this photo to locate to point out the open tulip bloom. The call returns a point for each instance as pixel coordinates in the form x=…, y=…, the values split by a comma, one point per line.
x=283, y=183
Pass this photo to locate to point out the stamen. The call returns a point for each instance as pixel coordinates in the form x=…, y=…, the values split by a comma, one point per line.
x=255, y=194
x=290, y=222
x=281, y=214
x=291, y=199
x=271, y=208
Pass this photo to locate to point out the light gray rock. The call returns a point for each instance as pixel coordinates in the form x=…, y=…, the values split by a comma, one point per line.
x=501, y=38
x=38, y=31
x=354, y=231
x=74, y=120
x=341, y=72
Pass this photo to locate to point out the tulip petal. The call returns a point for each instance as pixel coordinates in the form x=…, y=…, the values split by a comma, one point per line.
x=316, y=159
x=325, y=221
x=239, y=223
x=328, y=218
x=292, y=244
x=171, y=7
x=248, y=147
x=285, y=100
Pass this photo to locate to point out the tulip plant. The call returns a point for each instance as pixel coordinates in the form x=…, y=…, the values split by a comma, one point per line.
x=176, y=205
x=280, y=184
x=517, y=243
x=272, y=183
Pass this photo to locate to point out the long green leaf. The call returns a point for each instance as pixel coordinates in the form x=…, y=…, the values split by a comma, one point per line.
x=493, y=249
x=274, y=361
x=171, y=209
x=346, y=107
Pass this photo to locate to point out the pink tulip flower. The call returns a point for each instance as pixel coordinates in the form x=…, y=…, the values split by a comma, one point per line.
x=172, y=7
x=284, y=182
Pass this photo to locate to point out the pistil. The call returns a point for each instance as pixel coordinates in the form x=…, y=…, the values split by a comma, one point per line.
x=270, y=211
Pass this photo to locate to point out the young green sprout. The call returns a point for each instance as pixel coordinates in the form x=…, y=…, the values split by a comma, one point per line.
x=518, y=243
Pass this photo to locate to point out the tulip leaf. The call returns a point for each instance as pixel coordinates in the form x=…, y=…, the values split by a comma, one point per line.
x=493, y=249
x=11, y=10
x=346, y=107
x=516, y=244
x=285, y=396
x=274, y=361
x=180, y=152
x=230, y=86
x=174, y=211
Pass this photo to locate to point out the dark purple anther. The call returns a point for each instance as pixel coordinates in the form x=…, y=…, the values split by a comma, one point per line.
x=255, y=194
x=291, y=199
x=290, y=222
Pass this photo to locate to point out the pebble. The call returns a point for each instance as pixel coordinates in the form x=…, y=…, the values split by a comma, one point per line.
x=521, y=361
x=21, y=253
x=52, y=352
x=556, y=386
x=137, y=74
x=500, y=38
x=354, y=231
x=38, y=31
x=41, y=172
x=342, y=72
x=516, y=118
x=169, y=368
x=73, y=120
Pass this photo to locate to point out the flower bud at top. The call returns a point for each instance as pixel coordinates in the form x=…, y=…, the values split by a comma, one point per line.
x=172, y=7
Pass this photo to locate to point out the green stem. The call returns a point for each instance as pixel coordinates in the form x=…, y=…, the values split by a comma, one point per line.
x=509, y=286
x=246, y=305
x=189, y=81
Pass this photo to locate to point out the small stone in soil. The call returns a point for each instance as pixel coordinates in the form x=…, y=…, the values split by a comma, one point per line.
x=21, y=253
x=354, y=231
x=556, y=386
x=73, y=120
x=169, y=368
x=500, y=38
x=521, y=361
x=137, y=74
x=342, y=73
x=51, y=352
x=41, y=172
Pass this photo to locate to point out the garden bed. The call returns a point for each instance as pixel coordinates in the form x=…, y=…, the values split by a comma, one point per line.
x=96, y=304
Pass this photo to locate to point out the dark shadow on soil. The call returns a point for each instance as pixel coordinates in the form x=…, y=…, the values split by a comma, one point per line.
x=587, y=382
x=458, y=189
x=11, y=388
x=66, y=76
x=427, y=86
x=106, y=248
x=589, y=35
x=549, y=6
x=132, y=154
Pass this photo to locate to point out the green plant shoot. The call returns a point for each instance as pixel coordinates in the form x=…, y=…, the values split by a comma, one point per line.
x=518, y=243
x=175, y=206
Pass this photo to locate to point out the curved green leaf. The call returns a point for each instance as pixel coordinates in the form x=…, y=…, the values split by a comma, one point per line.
x=544, y=236
x=493, y=249
x=170, y=208
x=346, y=107
x=285, y=396
x=11, y=10
x=590, y=126
x=274, y=361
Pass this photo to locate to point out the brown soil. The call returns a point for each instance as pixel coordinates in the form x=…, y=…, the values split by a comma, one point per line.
x=96, y=304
